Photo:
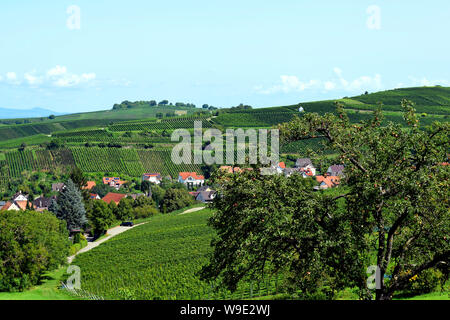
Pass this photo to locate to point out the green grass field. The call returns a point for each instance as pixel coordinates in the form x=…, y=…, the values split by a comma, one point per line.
x=48, y=290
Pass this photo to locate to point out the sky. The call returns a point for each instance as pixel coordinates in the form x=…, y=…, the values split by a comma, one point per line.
x=81, y=55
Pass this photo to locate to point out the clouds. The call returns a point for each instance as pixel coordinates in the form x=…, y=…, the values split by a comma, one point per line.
x=290, y=83
x=57, y=76
x=425, y=82
x=60, y=77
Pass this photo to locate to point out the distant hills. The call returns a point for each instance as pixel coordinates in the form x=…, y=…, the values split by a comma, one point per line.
x=6, y=113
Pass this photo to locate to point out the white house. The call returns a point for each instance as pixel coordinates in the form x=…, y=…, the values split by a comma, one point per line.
x=191, y=179
x=152, y=177
x=305, y=165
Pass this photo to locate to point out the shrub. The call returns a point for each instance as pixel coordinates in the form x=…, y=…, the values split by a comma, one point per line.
x=425, y=282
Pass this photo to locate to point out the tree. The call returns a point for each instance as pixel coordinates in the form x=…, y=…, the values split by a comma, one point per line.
x=125, y=209
x=78, y=177
x=101, y=217
x=22, y=146
x=146, y=187
x=391, y=210
x=71, y=207
x=158, y=194
x=31, y=243
x=175, y=199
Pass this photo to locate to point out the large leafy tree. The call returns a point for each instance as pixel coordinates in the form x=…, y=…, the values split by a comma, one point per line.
x=70, y=207
x=101, y=217
x=175, y=199
x=391, y=209
x=31, y=243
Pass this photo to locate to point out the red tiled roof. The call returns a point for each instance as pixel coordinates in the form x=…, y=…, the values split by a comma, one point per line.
x=152, y=175
x=185, y=175
x=282, y=165
x=116, y=197
x=7, y=205
x=230, y=169
x=330, y=181
x=108, y=180
x=89, y=185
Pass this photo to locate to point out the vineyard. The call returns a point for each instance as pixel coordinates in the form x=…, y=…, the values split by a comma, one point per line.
x=16, y=162
x=159, y=260
x=160, y=161
x=166, y=124
x=85, y=135
x=108, y=160
x=253, y=118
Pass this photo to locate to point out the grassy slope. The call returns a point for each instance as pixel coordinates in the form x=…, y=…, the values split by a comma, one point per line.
x=48, y=290
x=160, y=259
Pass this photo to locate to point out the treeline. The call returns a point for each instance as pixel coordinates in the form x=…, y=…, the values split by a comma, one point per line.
x=152, y=103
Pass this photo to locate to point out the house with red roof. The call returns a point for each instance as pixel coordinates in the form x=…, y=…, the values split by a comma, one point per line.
x=116, y=197
x=326, y=182
x=152, y=177
x=95, y=196
x=113, y=182
x=89, y=185
x=19, y=202
x=230, y=169
x=191, y=179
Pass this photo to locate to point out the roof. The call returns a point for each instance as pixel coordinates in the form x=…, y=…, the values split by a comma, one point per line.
x=115, y=180
x=136, y=195
x=206, y=195
x=43, y=202
x=57, y=186
x=94, y=195
x=330, y=181
x=89, y=185
x=303, y=162
x=116, y=197
x=336, y=169
x=7, y=205
x=185, y=175
x=204, y=188
x=230, y=169
x=282, y=165
x=157, y=175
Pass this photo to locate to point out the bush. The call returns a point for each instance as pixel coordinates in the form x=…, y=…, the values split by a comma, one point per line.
x=144, y=212
x=425, y=282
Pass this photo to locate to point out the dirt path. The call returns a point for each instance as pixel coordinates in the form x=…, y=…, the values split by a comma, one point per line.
x=192, y=210
x=111, y=233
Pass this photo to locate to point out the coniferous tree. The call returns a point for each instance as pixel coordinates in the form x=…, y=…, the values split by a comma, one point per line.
x=71, y=207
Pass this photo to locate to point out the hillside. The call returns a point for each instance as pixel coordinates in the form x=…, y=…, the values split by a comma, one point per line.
x=158, y=260
x=134, y=138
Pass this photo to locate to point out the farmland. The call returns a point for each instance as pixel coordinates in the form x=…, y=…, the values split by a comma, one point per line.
x=158, y=260
x=135, y=138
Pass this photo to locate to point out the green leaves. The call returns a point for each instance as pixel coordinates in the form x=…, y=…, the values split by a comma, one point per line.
x=393, y=210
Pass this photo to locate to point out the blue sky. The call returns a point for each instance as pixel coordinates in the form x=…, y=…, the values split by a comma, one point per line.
x=222, y=53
